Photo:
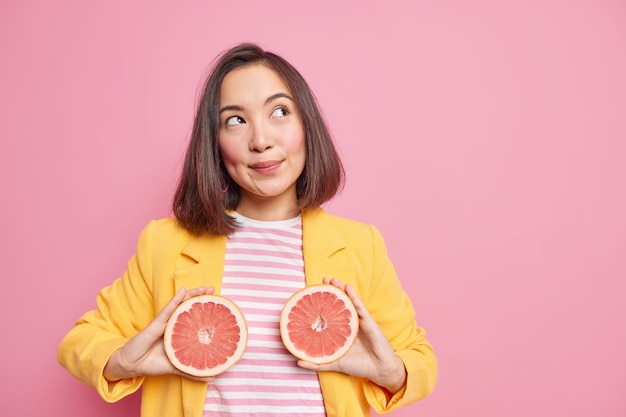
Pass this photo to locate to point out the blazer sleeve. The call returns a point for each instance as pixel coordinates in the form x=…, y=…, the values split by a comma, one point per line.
x=392, y=309
x=123, y=309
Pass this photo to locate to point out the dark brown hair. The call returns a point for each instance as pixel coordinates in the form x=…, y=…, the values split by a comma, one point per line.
x=199, y=204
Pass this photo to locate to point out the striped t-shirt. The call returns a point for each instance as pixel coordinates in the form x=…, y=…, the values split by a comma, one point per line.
x=263, y=267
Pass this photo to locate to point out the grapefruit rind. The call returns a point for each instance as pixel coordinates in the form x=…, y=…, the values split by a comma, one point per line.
x=210, y=360
x=316, y=331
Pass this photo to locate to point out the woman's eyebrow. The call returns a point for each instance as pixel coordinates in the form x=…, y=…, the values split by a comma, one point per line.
x=267, y=101
x=231, y=107
x=277, y=96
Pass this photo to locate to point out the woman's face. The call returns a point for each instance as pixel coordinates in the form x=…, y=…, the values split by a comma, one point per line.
x=261, y=141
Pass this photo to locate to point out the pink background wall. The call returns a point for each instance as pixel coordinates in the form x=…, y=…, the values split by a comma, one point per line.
x=486, y=139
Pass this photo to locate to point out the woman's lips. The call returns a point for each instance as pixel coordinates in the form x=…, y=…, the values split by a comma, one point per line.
x=266, y=166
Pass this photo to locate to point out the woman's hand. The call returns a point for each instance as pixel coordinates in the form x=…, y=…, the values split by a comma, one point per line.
x=144, y=353
x=371, y=356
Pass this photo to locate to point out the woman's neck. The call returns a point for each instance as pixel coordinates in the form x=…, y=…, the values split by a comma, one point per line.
x=267, y=210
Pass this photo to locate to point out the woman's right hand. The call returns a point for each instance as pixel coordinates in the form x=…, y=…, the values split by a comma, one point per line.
x=144, y=354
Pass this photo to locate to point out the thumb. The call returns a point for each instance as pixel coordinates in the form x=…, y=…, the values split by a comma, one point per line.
x=317, y=367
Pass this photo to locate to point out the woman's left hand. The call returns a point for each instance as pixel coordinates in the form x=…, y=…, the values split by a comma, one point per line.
x=371, y=356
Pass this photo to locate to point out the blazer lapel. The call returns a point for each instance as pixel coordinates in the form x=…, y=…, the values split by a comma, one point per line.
x=324, y=249
x=326, y=256
x=202, y=263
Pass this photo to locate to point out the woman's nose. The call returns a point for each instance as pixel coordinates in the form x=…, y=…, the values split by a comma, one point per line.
x=260, y=139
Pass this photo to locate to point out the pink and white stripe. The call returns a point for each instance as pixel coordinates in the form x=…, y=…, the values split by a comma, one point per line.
x=263, y=268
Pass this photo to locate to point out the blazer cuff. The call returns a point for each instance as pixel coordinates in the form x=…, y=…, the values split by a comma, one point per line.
x=112, y=391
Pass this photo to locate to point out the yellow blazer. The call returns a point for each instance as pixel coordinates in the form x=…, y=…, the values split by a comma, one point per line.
x=168, y=258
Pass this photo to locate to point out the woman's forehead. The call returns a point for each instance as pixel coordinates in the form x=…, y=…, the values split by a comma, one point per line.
x=251, y=83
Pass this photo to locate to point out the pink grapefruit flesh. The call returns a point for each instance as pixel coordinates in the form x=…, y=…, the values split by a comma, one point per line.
x=205, y=335
x=319, y=323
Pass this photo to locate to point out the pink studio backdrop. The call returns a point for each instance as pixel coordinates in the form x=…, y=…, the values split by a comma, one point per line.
x=485, y=139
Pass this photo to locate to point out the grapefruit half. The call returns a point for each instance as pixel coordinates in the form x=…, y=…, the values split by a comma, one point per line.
x=205, y=335
x=319, y=323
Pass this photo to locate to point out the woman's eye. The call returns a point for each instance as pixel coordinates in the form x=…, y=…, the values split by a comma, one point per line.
x=280, y=112
x=234, y=121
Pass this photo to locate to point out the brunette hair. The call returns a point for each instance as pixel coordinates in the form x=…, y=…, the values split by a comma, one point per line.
x=205, y=190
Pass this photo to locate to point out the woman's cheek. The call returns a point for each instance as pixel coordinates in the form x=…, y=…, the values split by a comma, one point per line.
x=229, y=151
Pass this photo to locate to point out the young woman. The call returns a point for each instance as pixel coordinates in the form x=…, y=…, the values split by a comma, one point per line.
x=249, y=225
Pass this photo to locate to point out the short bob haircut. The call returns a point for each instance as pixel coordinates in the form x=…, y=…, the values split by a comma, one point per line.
x=200, y=202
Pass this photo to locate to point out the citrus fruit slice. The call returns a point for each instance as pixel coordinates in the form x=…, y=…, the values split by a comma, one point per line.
x=319, y=323
x=205, y=335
